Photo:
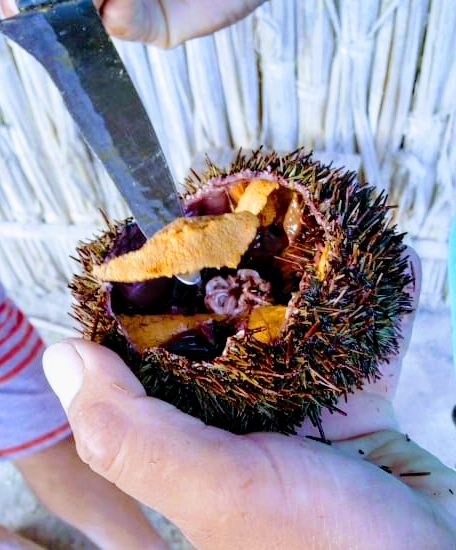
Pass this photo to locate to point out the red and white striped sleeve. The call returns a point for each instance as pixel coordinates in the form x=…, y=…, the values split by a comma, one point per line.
x=31, y=416
x=20, y=344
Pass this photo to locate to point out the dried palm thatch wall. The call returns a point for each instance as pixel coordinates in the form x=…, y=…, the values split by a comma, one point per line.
x=372, y=82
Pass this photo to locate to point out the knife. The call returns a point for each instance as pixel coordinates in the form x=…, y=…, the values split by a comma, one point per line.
x=68, y=38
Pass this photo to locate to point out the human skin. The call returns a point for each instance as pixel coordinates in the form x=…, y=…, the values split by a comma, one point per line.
x=164, y=23
x=73, y=492
x=264, y=490
x=12, y=541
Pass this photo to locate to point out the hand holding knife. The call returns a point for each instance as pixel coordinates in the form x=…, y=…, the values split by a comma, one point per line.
x=69, y=40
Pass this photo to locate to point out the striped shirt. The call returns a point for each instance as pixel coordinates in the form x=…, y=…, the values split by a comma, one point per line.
x=31, y=417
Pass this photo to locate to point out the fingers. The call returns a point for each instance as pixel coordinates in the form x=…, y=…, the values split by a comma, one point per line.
x=390, y=371
x=187, y=20
x=8, y=8
x=413, y=289
x=169, y=23
x=164, y=23
x=370, y=409
x=149, y=449
x=141, y=20
x=138, y=20
x=402, y=457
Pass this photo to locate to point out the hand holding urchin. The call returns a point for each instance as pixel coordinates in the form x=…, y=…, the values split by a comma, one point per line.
x=302, y=285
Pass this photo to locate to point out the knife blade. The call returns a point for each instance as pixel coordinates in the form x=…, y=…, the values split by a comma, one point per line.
x=69, y=40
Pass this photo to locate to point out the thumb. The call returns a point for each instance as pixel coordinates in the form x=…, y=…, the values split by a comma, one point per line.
x=162, y=457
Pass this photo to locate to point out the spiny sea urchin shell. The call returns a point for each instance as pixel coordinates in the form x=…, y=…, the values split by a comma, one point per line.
x=306, y=316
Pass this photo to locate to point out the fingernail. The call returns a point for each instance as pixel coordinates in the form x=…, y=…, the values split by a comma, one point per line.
x=64, y=370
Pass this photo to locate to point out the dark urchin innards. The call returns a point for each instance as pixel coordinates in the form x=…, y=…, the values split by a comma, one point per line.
x=341, y=276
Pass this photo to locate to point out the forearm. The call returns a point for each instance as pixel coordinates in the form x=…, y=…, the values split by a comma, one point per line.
x=73, y=492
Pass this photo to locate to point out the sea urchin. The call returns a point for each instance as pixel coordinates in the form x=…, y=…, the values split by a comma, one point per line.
x=302, y=285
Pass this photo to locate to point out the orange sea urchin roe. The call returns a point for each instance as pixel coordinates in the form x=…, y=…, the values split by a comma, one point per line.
x=255, y=196
x=147, y=331
x=184, y=246
x=191, y=244
x=268, y=318
x=256, y=199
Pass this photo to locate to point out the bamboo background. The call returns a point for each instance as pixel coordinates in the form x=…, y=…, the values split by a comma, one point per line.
x=370, y=84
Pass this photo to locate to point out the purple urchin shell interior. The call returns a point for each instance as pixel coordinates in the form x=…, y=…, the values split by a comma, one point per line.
x=258, y=280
